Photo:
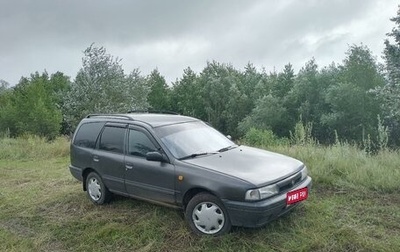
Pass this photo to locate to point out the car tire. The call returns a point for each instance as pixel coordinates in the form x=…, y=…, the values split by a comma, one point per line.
x=206, y=215
x=96, y=190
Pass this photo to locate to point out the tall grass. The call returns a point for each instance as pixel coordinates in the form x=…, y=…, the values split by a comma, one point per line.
x=346, y=166
x=354, y=205
x=341, y=165
x=31, y=147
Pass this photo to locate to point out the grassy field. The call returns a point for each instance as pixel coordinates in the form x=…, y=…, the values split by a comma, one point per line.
x=354, y=206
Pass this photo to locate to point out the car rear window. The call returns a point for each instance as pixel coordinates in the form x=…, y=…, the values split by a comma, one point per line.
x=87, y=134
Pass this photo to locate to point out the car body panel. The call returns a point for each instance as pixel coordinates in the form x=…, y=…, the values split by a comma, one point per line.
x=217, y=183
x=111, y=168
x=153, y=180
x=256, y=166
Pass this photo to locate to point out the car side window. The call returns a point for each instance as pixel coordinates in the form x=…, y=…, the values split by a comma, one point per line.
x=87, y=134
x=139, y=143
x=112, y=139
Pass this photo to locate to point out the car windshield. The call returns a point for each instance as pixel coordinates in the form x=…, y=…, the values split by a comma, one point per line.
x=192, y=139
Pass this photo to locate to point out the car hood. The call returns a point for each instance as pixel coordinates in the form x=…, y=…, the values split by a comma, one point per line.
x=253, y=165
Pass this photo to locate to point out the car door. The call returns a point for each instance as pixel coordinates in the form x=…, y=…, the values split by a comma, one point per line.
x=151, y=180
x=108, y=157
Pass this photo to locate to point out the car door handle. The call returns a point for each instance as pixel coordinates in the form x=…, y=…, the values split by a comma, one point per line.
x=129, y=166
x=95, y=158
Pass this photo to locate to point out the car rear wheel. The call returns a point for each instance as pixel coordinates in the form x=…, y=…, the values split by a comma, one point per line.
x=96, y=190
x=206, y=215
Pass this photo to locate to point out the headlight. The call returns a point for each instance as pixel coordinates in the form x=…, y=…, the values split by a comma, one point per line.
x=304, y=173
x=262, y=193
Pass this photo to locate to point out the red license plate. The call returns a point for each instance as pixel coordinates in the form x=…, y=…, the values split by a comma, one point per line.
x=296, y=196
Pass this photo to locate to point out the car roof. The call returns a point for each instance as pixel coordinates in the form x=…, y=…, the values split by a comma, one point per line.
x=152, y=119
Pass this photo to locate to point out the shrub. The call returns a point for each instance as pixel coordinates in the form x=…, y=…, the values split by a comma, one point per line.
x=262, y=138
x=302, y=134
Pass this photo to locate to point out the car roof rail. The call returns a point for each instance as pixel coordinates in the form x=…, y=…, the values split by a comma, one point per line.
x=115, y=116
x=146, y=111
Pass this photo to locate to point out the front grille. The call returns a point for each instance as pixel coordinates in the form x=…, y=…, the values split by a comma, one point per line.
x=290, y=182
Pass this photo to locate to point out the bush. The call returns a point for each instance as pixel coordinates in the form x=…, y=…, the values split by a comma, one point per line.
x=302, y=134
x=262, y=138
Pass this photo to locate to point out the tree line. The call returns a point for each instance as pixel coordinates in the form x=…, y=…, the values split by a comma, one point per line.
x=357, y=100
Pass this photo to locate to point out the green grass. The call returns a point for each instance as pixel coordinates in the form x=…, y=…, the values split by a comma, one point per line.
x=354, y=206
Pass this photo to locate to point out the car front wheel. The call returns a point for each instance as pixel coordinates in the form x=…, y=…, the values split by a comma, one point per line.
x=206, y=215
x=96, y=190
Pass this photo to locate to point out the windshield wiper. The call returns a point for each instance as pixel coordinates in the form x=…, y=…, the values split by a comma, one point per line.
x=196, y=155
x=227, y=148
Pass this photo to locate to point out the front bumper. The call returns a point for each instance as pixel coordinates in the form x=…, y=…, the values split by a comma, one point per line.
x=256, y=214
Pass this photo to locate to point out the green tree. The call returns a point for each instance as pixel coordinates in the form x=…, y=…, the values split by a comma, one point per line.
x=390, y=92
x=354, y=109
x=4, y=85
x=4, y=91
x=138, y=91
x=328, y=77
x=270, y=110
x=307, y=93
x=59, y=85
x=159, y=96
x=237, y=108
x=31, y=108
x=102, y=87
x=262, y=88
x=186, y=95
x=284, y=82
x=216, y=81
x=251, y=79
x=268, y=114
x=5, y=110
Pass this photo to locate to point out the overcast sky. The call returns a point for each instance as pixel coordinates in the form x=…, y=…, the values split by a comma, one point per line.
x=51, y=35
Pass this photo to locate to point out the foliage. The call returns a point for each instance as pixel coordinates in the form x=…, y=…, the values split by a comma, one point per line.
x=383, y=135
x=217, y=82
x=4, y=85
x=307, y=93
x=220, y=95
x=159, y=95
x=390, y=92
x=32, y=107
x=269, y=114
x=354, y=109
x=302, y=134
x=270, y=110
x=262, y=138
x=102, y=87
x=5, y=107
x=284, y=82
x=186, y=95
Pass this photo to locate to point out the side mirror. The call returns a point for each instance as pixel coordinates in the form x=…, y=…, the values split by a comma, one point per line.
x=229, y=137
x=156, y=156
